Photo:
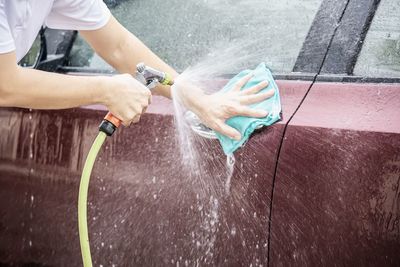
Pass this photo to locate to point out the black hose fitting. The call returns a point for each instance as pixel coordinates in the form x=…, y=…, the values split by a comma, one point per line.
x=107, y=127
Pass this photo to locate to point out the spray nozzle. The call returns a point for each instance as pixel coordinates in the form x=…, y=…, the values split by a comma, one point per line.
x=151, y=77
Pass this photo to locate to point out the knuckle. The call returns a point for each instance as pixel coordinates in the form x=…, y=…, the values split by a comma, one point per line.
x=232, y=110
x=136, y=119
x=228, y=109
x=145, y=104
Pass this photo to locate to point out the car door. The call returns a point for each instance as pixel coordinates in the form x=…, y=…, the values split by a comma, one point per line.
x=336, y=195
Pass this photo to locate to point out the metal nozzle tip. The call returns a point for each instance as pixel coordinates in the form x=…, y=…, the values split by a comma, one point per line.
x=140, y=67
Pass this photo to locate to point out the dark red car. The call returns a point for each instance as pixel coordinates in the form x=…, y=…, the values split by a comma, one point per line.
x=319, y=188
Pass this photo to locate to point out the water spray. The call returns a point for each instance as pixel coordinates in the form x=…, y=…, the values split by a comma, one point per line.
x=149, y=77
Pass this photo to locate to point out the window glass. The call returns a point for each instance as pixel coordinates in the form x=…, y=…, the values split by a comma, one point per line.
x=243, y=32
x=31, y=58
x=380, y=54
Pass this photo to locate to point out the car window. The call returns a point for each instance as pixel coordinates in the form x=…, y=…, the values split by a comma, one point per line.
x=380, y=54
x=184, y=32
x=31, y=58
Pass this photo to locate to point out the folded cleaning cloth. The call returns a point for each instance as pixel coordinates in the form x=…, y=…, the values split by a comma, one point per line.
x=247, y=125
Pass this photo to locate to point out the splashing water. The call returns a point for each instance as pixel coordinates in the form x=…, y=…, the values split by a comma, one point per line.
x=201, y=157
x=230, y=163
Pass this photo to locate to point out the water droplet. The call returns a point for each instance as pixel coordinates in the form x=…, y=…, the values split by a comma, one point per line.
x=30, y=243
x=230, y=159
x=230, y=162
x=233, y=231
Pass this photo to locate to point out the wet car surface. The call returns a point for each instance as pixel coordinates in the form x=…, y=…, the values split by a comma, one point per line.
x=319, y=188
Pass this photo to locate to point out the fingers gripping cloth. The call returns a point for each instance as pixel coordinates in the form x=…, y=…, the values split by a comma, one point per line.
x=247, y=125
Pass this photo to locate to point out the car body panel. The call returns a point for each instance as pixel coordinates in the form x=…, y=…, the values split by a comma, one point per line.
x=337, y=190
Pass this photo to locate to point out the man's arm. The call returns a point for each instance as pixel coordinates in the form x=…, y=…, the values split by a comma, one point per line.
x=28, y=88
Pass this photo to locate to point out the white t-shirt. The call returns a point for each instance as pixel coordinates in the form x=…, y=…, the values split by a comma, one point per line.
x=21, y=20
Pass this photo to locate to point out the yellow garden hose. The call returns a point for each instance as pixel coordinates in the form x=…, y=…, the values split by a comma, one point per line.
x=82, y=199
x=149, y=77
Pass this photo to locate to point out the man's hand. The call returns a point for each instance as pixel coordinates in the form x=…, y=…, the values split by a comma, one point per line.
x=127, y=98
x=213, y=110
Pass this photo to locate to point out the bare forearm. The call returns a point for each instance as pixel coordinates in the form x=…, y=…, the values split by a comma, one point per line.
x=29, y=88
x=124, y=51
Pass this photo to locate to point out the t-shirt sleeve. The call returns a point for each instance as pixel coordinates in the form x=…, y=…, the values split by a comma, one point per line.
x=78, y=15
x=6, y=39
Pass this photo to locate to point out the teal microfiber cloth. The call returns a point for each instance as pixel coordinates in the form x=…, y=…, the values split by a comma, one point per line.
x=247, y=125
